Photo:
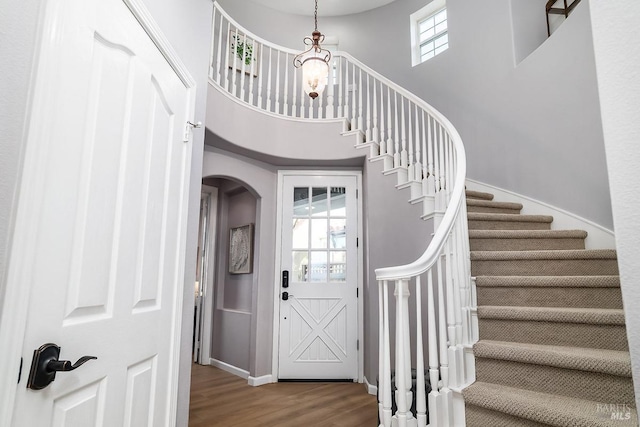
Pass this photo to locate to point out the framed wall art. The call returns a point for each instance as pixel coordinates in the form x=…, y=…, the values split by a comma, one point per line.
x=241, y=249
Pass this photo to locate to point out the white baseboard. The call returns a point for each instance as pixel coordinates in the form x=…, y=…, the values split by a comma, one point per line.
x=229, y=368
x=598, y=236
x=371, y=389
x=258, y=381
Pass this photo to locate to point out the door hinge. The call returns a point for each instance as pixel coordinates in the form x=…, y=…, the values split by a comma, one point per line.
x=357, y=344
x=188, y=127
x=357, y=242
x=20, y=370
x=357, y=293
x=356, y=193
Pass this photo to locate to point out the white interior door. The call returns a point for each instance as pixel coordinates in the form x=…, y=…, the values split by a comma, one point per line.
x=103, y=218
x=319, y=307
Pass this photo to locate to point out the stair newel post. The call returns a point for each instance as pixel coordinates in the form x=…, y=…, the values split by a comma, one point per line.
x=376, y=131
x=418, y=145
x=403, y=371
x=411, y=171
x=404, y=158
x=396, y=139
x=384, y=392
x=421, y=398
x=445, y=392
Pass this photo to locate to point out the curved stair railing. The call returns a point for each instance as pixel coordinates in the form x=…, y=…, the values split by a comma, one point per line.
x=424, y=150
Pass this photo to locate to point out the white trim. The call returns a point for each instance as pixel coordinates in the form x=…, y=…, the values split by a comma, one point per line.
x=258, y=381
x=371, y=389
x=209, y=273
x=278, y=259
x=416, y=17
x=229, y=368
x=598, y=237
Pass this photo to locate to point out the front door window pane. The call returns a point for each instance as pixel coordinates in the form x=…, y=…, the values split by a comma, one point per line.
x=300, y=266
x=338, y=195
x=338, y=266
x=318, y=267
x=319, y=201
x=300, y=201
x=338, y=234
x=319, y=233
x=300, y=234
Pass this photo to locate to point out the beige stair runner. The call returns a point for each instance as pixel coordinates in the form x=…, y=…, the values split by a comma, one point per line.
x=553, y=347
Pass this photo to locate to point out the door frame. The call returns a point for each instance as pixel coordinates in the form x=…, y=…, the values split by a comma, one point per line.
x=278, y=260
x=14, y=313
x=207, y=279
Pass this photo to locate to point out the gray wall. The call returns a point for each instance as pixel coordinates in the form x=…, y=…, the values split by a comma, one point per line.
x=186, y=24
x=522, y=124
x=231, y=333
x=619, y=87
x=260, y=178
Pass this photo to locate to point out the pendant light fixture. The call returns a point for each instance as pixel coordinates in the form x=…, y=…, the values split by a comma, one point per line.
x=314, y=62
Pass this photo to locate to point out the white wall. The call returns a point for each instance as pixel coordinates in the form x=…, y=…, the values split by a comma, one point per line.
x=532, y=128
x=617, y=54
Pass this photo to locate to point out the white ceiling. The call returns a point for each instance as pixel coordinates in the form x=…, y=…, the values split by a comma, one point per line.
x=325, y=7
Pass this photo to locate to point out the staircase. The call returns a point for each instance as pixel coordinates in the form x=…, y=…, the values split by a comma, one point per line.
x=553, y=346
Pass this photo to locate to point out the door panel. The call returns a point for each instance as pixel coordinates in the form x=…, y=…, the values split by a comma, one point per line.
x=318, y=321
x=107, y=247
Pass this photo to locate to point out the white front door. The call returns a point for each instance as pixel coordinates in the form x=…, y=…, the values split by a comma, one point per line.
x=319, y=306
x=100, y=238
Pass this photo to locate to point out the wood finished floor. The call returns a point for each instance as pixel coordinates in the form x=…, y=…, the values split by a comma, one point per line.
x=221, y=399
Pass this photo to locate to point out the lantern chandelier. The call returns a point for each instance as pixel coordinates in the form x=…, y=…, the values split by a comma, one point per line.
x=314, y=62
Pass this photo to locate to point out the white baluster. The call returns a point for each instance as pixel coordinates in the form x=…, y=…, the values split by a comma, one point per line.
x=214, y=70
x=260, y=73
x=421, y=398
x=396, y=149
x=294, y=102
x=418, y=146
x=340, y=112
x=227, y=77
x=277, y=107
x=269, y=81
x=255, y=52
x=389, y=129
x=243, y=66
x=354, y=101
x=368, y=111
x=411, y=172
x=404, y=158
x=434, y=367
x=376, y=131
x=425, y=170
x=346, y=93
x=330, y=110
x=234, y=54
x=303, y=96
x=383, y=120
x=443, y=348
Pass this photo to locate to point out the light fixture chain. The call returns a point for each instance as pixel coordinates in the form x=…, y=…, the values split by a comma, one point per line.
x=316, y=15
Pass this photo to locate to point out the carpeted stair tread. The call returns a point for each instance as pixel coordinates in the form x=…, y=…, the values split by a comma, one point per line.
x=610, y=362
x=479, y=195
x=527, y=234
x=489, y=206
x=549, y=281
x=571, y=254
x=479, y=216
x=593, y=316
x=550, y=409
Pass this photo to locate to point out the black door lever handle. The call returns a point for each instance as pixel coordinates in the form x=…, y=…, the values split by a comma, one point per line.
x=45, y=364
x=65, y=365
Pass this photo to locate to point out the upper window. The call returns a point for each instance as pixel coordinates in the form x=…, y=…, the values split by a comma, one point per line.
x=429, y=31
